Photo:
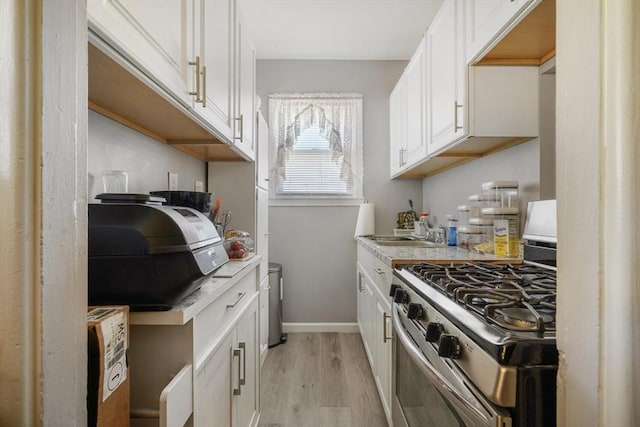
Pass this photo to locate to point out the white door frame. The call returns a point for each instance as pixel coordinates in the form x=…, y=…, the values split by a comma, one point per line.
x=43, y=217
x=598, y=184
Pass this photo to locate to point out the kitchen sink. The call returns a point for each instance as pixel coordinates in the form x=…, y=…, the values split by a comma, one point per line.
x=411, y=243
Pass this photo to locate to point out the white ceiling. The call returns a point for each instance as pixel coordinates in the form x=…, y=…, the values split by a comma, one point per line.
x=337, y=29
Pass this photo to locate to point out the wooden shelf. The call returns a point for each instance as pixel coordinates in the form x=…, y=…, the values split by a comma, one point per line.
x=531, y=42
x=462, y=152
x=121, y=96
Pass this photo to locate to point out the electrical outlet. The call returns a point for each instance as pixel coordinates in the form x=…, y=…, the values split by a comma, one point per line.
x=198, y=186
x=173, y=181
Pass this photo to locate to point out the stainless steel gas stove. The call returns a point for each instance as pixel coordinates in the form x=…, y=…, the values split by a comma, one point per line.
x=475, y=343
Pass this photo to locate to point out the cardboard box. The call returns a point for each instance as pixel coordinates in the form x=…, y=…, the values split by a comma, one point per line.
x=108, y=396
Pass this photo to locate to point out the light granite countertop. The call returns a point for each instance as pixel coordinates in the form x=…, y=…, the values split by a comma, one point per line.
x=223, y=279
x=395, y=255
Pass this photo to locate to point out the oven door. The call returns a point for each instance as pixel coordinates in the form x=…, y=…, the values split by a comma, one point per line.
x=428, y=389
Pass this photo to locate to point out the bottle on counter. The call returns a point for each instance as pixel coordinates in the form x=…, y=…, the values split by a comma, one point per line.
x=452, y=231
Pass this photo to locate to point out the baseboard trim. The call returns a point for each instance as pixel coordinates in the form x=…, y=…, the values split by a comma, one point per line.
x=320, y=327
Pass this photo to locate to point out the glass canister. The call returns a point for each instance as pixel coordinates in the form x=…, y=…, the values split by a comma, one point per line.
x=464, y=213
x=505, y=192
x=485, y=225
x=479, y=201
x=470, y=236
x=506, y=230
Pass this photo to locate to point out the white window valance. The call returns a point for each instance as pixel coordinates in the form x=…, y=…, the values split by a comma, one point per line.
x=318, y=144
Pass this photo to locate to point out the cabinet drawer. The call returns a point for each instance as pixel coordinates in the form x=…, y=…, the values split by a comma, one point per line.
x=381, y=275
x=365, y=258
x=211, y=321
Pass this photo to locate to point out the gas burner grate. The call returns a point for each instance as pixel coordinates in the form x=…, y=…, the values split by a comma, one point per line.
x=516, y=298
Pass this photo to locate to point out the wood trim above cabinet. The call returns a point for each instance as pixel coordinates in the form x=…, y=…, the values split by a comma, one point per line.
x=531, y=42
x=139, y=104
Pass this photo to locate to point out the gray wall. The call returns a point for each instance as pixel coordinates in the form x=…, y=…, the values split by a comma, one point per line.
x=532, y=164
x=443, y=193
x=146, y=161
x=316, y=245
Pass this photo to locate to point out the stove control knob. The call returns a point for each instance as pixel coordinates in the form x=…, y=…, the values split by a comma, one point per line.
x=414, y=311
x=449, y=346
x=434, y=330
x=392, y=291
x=401, y=296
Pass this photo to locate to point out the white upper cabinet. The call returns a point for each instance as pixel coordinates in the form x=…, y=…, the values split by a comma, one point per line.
x=214, y=45
x=197, y=55
x=397, y=127
x=488, y=20
x=415, y=107
x=245, y=99
x=407, y=118
x=467, y=111
x=153, y=35
x=446, y=77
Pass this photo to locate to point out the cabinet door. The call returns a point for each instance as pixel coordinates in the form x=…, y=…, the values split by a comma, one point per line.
x=246, y=402
x=264, y=319
x=155, y=36
x=487, y=21
x=446, y=77
x=415, y=103
x=262, y=146
x=213, y=385
x=365, y=314
x=245, y=89
x=397, y=127
x=262, y=229
x=383, y=354
x=214, y=44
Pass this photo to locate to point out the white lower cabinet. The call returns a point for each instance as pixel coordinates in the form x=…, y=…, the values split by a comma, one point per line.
x=383, y=353
x=226, y=392
x=213, y=385
x=374, y=322
x=199, y=365
x=365, y=304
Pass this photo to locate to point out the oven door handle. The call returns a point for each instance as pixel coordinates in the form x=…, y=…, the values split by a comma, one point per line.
x=431, y=372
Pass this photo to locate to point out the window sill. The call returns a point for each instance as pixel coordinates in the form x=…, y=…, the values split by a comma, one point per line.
x=316, y=201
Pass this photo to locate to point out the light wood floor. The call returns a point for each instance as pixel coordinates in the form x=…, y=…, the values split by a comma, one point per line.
x=319, y=380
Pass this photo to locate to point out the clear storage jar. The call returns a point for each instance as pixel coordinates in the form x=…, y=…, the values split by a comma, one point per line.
x=464, y=213
x=506, y=193
x=479, y=201
x=485, y=225
x=470, y=236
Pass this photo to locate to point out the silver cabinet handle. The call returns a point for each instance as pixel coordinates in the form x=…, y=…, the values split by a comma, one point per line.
x=236, y=353
x=385, y=338
x=360, y=287
x=241, y=137
x=379, y=271
x=243, y=378
x=240, y=296
x=455, y=116
x=196, y=63
x=204, y=86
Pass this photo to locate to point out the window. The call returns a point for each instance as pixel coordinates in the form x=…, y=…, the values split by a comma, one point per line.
x=317, y=142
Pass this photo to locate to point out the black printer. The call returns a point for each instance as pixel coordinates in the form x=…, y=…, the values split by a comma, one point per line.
x=149, y=256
